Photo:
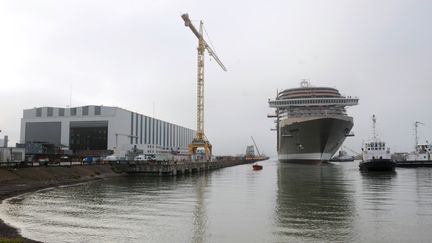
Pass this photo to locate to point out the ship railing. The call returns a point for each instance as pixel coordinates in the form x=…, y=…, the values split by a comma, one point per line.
x=343, y=101
x=316, y=113
x=312, y=109
x=309, y=115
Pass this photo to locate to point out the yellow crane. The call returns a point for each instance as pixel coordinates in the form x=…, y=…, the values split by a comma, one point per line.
x=200, y=141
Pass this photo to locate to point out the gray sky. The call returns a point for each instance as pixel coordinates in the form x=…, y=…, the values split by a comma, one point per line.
x=138, y=55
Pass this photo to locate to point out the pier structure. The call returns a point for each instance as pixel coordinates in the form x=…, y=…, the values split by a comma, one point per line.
x=170, y=168
x=414, y=163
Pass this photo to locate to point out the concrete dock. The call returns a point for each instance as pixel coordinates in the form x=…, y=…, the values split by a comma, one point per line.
x=176, y=168
x=426, y=163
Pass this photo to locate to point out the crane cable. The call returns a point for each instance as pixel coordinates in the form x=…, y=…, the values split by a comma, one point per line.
x=210, y=42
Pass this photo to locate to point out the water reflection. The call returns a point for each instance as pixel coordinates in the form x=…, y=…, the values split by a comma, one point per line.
x=377, y=192
x=377, y=182
x=377, y=205
x=314, y=202
x=200, y=213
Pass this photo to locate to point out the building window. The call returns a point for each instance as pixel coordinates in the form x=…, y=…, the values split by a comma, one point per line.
x=165, y=134
x=85, y=110
x=141, y=129
x=38, y=112
x=136, y=128
x=131, y=130
x=146, y=130
x=152, y=131
x=50, y=111
x=73, y=111
x=171, y=135
x=157, y=132
x=97, y=110
x=61, y=111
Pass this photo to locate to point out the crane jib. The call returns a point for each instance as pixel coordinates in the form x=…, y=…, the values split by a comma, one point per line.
x=189, y=24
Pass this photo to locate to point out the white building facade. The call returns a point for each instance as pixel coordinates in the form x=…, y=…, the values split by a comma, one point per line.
x=103, y=128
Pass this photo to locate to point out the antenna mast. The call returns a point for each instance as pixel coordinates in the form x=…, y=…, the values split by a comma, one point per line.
x=373, y=127
x=416, y=134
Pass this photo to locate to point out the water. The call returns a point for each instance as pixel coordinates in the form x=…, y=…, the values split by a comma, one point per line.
x=281, y=203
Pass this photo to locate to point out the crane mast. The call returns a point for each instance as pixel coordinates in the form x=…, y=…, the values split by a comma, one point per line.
x=200, y=140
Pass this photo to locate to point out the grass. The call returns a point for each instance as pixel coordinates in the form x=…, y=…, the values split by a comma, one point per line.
x=11, y=240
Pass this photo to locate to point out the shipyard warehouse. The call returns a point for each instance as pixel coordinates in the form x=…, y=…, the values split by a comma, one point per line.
x=102, y=130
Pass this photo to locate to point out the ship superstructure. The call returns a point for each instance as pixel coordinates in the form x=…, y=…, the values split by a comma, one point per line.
x=422, y=151
x=375, y=154
x=422, y=154
x=311, y=122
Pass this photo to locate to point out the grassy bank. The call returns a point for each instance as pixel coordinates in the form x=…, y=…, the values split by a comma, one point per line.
x=17, y=181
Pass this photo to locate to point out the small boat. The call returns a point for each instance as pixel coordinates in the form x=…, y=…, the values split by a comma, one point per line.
x=257, y=167
x=375, y=155
x=342, y=157
x=421, y=156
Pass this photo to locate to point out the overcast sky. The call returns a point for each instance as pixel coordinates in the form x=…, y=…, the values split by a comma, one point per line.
x=138, y=55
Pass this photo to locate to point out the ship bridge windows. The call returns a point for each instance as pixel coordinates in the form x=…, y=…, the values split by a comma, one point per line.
x=376, y=146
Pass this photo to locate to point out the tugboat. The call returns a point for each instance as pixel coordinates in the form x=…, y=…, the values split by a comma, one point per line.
x=375, y=155
x=342, y=157
x=421, y=156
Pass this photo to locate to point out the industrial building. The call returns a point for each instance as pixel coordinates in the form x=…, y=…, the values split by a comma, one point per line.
x=8, y=154
x=103, y=128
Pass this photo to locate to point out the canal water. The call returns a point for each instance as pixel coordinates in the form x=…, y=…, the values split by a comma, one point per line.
x=282, y=203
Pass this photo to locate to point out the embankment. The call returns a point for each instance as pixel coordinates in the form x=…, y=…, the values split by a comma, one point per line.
x=17, y=181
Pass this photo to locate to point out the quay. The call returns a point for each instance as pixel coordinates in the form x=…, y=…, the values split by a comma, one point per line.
x=171, y=168
x=413, y=164
x=152, y=167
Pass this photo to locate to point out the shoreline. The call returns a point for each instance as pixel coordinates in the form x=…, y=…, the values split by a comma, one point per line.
x=18, y=181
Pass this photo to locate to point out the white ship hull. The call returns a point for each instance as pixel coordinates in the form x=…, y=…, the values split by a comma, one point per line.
x=312, y=140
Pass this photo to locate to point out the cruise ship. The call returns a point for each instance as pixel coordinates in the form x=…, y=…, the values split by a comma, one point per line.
x=311, y=122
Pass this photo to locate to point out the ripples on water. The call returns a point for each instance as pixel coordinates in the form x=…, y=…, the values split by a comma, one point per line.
x=282, y=203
